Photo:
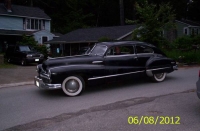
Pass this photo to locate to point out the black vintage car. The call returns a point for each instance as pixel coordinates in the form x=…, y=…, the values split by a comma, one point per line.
x=22, y=54
x=106, y=61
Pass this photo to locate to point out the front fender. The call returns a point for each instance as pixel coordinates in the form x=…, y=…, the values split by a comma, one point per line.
x=85, y=70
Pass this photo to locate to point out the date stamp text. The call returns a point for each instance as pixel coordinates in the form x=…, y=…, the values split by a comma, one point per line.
x=154, y=120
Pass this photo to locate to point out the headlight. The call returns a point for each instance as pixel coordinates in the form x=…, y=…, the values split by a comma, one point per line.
x=28, y=56
x=37, y=68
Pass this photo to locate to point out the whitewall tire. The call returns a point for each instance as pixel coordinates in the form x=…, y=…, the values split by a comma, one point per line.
x=23, y=62
x=159, y=77
x=73, y=85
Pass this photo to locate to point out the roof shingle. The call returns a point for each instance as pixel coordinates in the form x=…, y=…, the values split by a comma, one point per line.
x=189, y=22
x=94, y=34
x=24, y=11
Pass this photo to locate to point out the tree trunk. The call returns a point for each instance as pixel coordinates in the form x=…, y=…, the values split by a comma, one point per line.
x=121, y=7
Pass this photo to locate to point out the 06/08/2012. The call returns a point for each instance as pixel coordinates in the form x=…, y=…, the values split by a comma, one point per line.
x=154, y=120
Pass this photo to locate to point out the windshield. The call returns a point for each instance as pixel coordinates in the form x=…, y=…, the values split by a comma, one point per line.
x=99, y=50
x=24, y=48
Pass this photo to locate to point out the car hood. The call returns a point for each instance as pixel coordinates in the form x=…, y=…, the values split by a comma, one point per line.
x=30, y=52
x=69, y=60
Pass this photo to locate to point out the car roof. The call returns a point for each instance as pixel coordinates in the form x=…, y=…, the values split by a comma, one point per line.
x=116, y=43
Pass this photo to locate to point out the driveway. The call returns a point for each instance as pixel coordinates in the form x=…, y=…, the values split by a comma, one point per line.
x=16, y=75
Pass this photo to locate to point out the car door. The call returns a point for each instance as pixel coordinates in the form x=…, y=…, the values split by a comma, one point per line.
x=17, y=54
x=121, y=61
x=143, y=54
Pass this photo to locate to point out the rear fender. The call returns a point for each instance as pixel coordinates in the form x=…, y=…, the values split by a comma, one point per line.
x=158, y=64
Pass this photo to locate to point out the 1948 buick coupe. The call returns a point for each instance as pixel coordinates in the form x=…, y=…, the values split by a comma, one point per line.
x=105, y=61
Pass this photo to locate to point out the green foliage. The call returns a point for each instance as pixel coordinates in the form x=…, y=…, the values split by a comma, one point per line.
x=103, y=12
x=183, y=43
x=152, y=21
x=27, y=41
x=189, y=57
x=30, y=41
x=196, y=40
x=7, y=65
x=183, y=51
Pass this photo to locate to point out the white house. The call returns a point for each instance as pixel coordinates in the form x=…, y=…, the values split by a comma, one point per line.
x=16, y=21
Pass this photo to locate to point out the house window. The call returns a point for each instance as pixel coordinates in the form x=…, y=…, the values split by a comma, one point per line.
x=196, y=31
x=33, y=24
x=185, y=31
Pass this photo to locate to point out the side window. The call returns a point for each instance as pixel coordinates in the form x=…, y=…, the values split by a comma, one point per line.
x=120, y=50
x=143, y=49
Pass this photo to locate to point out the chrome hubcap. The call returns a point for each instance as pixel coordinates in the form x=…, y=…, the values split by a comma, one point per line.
x=159, y=76
x=72, y=86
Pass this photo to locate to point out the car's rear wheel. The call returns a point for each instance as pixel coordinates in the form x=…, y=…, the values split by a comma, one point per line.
x=73, y=85
x=159, y=77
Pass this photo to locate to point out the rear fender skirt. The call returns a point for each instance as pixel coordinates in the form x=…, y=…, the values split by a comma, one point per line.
x=158, y=64
x=152, y=71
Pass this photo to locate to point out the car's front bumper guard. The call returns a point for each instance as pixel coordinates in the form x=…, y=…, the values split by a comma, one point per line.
x=175, y=67
x=39, y=83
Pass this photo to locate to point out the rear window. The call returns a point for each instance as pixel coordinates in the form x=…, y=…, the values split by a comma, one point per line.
x=143, y=49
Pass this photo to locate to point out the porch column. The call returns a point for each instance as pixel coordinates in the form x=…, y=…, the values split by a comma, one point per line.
x=70, y=49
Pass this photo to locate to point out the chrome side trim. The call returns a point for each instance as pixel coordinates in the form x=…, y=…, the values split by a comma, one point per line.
x=115, y=75
x=158, y=69
x=96, y=62
x=122, y=55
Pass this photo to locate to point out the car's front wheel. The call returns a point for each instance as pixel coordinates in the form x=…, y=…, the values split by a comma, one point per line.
x=8, y=60
x=73, y=85
x=159, y=77
x=23, y=62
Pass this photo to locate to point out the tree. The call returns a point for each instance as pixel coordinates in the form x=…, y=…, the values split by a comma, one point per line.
x=121, y=7
x=152, y=21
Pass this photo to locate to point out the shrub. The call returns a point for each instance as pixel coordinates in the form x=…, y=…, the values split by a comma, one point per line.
x=183, y=43
x=183, y=56
x=196, y=40
x=30, y=41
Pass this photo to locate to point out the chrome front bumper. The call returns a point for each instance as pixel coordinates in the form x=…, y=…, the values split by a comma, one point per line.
x=175, y=67
x=39, y=83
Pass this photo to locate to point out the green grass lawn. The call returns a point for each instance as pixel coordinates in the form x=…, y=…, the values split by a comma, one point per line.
x=7, y=65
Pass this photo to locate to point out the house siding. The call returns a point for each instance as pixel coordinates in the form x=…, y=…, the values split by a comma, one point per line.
x=180, y=29
x=43, y=33
x=47, y=26
x=11, y=23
